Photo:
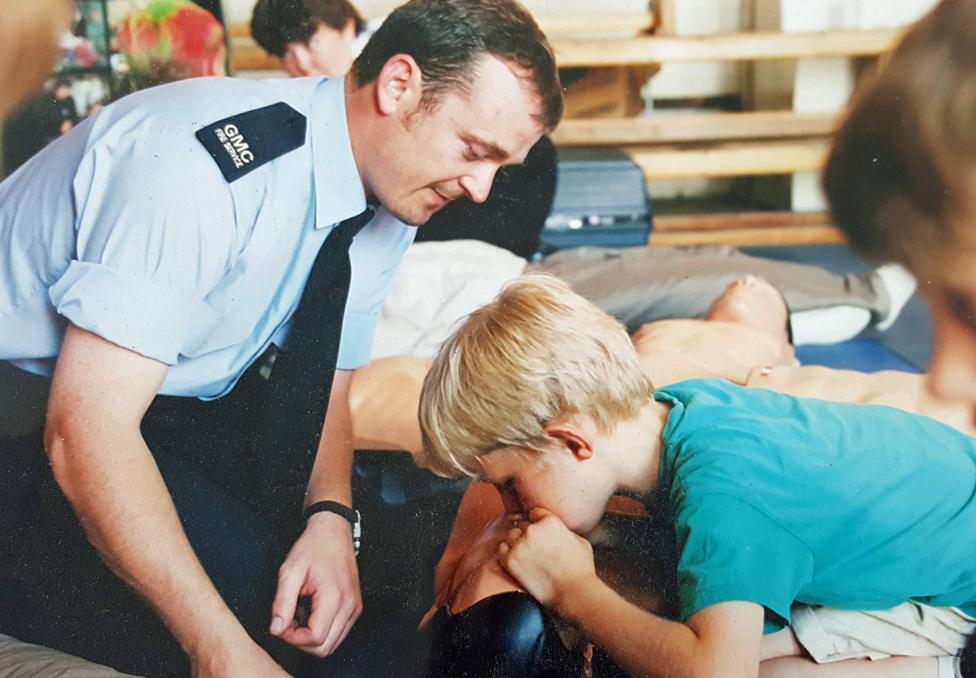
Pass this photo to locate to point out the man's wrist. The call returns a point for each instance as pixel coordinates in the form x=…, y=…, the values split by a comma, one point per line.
x=319, y=512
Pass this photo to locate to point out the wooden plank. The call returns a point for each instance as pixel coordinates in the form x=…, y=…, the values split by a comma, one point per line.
x=650, y=49
x=553, y=25
x=724, y=47
x=677, y=128
x=606, y=93
x=750, y=237
x=667, y=17
x=731, y=159
x=245, y=55
x=738, y=220
x=604, y=23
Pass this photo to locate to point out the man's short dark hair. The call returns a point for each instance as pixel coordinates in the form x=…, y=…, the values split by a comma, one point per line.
x=446, y=37
x=275, y=23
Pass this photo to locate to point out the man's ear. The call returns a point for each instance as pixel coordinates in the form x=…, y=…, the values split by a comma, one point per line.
x=572, y=438
x=398, y=85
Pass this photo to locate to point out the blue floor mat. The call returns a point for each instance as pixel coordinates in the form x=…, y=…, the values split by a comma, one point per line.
x=860, y=353
x=907, y=345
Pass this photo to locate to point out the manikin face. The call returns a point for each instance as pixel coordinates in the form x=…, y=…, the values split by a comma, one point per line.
x=952, y=371
x=327, y=52
x=574, y=488
x=431, y=156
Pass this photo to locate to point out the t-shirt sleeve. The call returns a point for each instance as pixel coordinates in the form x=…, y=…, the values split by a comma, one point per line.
x=155, y=234
x=730, y=551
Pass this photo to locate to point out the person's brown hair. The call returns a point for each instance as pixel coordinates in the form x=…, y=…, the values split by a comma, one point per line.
x=901, y=177
x=537, y=353
x=275, y=23
x=446, y=37
x=29, y=35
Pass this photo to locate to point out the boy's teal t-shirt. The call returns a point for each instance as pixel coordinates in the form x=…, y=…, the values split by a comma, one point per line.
x=779, y=499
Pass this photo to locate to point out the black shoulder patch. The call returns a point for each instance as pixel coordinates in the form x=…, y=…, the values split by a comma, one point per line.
x=243, y=142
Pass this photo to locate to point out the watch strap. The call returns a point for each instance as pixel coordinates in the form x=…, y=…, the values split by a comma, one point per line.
x=350, y=514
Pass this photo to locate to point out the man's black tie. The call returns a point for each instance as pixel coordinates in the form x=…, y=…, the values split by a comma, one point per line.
x=301, y=379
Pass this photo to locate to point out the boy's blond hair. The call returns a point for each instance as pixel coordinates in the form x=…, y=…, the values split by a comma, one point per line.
x=901, y=178
x=539, y=352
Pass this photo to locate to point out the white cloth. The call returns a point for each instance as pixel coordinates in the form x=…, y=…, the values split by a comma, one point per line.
x=911, y=629
x=439, y=284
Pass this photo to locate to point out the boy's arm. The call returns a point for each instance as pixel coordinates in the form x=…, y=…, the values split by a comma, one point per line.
x=556, y=567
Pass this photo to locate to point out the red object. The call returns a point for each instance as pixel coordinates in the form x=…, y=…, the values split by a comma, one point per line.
x=170, y=40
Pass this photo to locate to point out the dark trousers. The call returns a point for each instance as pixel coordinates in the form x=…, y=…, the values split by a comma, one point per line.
x=55, y=589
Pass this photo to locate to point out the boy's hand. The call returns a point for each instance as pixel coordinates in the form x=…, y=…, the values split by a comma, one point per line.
x=546, y=558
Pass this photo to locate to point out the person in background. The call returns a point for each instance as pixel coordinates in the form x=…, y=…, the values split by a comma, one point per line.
x=901, y=180
x=29, y=35
x=311, y=37
x=322, y=37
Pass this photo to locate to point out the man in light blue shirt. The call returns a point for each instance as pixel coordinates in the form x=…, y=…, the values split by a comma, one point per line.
x=151, y=257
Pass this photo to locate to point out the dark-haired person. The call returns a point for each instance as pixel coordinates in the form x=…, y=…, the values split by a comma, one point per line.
x=901, y=180
x=322, y=37
x=311, y=37
x=153, y=259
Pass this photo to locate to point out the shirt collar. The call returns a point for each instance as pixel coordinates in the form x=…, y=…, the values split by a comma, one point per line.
x=339, y=191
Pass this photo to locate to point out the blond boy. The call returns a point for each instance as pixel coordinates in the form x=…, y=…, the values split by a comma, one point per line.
x=779, y=504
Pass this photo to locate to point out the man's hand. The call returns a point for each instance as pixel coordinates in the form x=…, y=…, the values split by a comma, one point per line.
x=546, y=558
x=322, y=567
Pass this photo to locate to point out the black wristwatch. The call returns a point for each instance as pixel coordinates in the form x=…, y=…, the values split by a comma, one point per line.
x=350, y=514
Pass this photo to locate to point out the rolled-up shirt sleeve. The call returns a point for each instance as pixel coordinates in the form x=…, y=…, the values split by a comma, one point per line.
x=155, y=233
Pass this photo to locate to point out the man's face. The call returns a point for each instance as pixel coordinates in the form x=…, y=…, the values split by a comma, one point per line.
x=431, y=157
x=952, y=372
x=577, y=491
x=327, y=52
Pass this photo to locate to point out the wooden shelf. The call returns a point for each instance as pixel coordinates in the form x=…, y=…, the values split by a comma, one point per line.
x=750, y=237
x=742, y=229
x=668, y=223
x=666, y=128
x=671, y=145
x=575, y=24
x=593, y=52
x=730, y=159
x=723, y=47
x=245, y=55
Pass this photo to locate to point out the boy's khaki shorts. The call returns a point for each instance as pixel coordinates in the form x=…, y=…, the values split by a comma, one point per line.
x=912, y=629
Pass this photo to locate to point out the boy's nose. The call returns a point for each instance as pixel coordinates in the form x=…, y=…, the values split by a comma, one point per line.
x=509, y=500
